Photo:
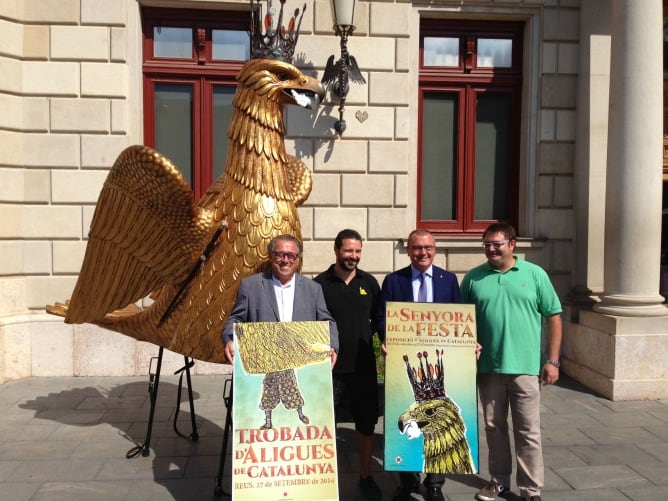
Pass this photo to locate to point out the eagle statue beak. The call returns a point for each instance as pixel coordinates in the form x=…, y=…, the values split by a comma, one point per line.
x=306, y=99
x=310, y=96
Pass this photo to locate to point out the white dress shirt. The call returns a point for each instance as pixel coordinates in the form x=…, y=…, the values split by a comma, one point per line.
x=285, y=298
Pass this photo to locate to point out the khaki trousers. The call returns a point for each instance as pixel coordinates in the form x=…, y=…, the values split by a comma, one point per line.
x=520, y=393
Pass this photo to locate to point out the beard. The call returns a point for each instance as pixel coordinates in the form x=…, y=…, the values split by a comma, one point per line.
x=347, y=264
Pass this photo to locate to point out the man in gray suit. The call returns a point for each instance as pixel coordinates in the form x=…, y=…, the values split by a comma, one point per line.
x=282, y=295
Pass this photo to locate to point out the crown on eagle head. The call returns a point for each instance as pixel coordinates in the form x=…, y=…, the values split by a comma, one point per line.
x=276, y=41
x=426, y=379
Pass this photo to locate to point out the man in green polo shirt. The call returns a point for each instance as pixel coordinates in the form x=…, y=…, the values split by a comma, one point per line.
x=512, y=296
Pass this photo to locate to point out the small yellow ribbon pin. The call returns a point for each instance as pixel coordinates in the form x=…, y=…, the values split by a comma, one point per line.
x=362, y=291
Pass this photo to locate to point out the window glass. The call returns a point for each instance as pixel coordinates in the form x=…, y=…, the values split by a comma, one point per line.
x=495, y=53
x=172, y=42
x=189, y=68
x=492, y=139
x=470, y=92
x=222, y=116
x=441, y=51
x=439, y=145
x=173, y=125
x=231, y=45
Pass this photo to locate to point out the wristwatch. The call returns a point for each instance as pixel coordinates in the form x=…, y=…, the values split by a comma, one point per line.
x=553, y=362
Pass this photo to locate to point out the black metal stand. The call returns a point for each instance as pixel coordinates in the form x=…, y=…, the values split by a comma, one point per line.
x=227, y=398
x=194, y=436
x=153, y=383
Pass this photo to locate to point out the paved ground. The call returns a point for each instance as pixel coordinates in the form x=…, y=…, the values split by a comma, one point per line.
x=67, y=438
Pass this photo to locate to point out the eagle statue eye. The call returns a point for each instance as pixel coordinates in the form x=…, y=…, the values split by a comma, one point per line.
x=430, y=412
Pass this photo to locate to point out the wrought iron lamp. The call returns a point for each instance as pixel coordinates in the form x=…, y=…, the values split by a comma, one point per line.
x=338, y=74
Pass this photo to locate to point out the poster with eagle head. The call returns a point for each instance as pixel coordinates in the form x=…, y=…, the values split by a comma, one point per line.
x=431, y=418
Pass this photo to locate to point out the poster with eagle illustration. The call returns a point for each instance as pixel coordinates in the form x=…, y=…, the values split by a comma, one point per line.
x=431, y=417
x=284, y=443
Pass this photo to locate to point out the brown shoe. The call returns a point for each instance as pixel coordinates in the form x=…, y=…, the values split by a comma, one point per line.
x=491, y=491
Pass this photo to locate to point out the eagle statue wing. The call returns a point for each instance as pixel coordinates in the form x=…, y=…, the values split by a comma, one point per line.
x=331, y=72
x=354, y=72
x=299, y=177
x=146, y=232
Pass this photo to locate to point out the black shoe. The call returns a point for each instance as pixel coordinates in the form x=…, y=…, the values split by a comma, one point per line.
x=435, y=494
x=403, y=493
x=370, y=489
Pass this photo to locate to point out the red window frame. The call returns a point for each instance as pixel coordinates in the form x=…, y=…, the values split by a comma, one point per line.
x=467, y=80
x=201, y=71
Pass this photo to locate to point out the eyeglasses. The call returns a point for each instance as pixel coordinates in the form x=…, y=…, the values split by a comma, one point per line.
x=495, y=245
x=420, y=248
x=290, y=256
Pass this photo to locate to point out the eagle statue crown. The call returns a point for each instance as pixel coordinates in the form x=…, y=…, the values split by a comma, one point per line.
x=273, y=42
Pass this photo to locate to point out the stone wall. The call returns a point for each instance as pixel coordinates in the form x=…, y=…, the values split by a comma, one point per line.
x=71, y=101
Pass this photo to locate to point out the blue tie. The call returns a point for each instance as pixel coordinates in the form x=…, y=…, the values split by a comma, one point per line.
x=422, y=291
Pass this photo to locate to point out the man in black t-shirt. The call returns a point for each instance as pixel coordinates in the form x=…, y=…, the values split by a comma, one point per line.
x=352, y=297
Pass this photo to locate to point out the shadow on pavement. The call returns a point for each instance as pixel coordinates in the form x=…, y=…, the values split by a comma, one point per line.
x=186, y=468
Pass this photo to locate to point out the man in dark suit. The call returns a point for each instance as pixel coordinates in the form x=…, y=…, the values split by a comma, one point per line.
x=419, y=282
x=281, y=295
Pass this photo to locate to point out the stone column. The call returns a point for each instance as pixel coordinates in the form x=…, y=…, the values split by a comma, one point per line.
x=634, y=175
x=590, y=150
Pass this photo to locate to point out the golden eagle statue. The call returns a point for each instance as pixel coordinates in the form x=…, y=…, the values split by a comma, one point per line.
x=148, y=236
x=437, y=418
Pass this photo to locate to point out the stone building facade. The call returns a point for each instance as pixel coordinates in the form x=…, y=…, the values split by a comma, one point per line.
x=71, y=96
